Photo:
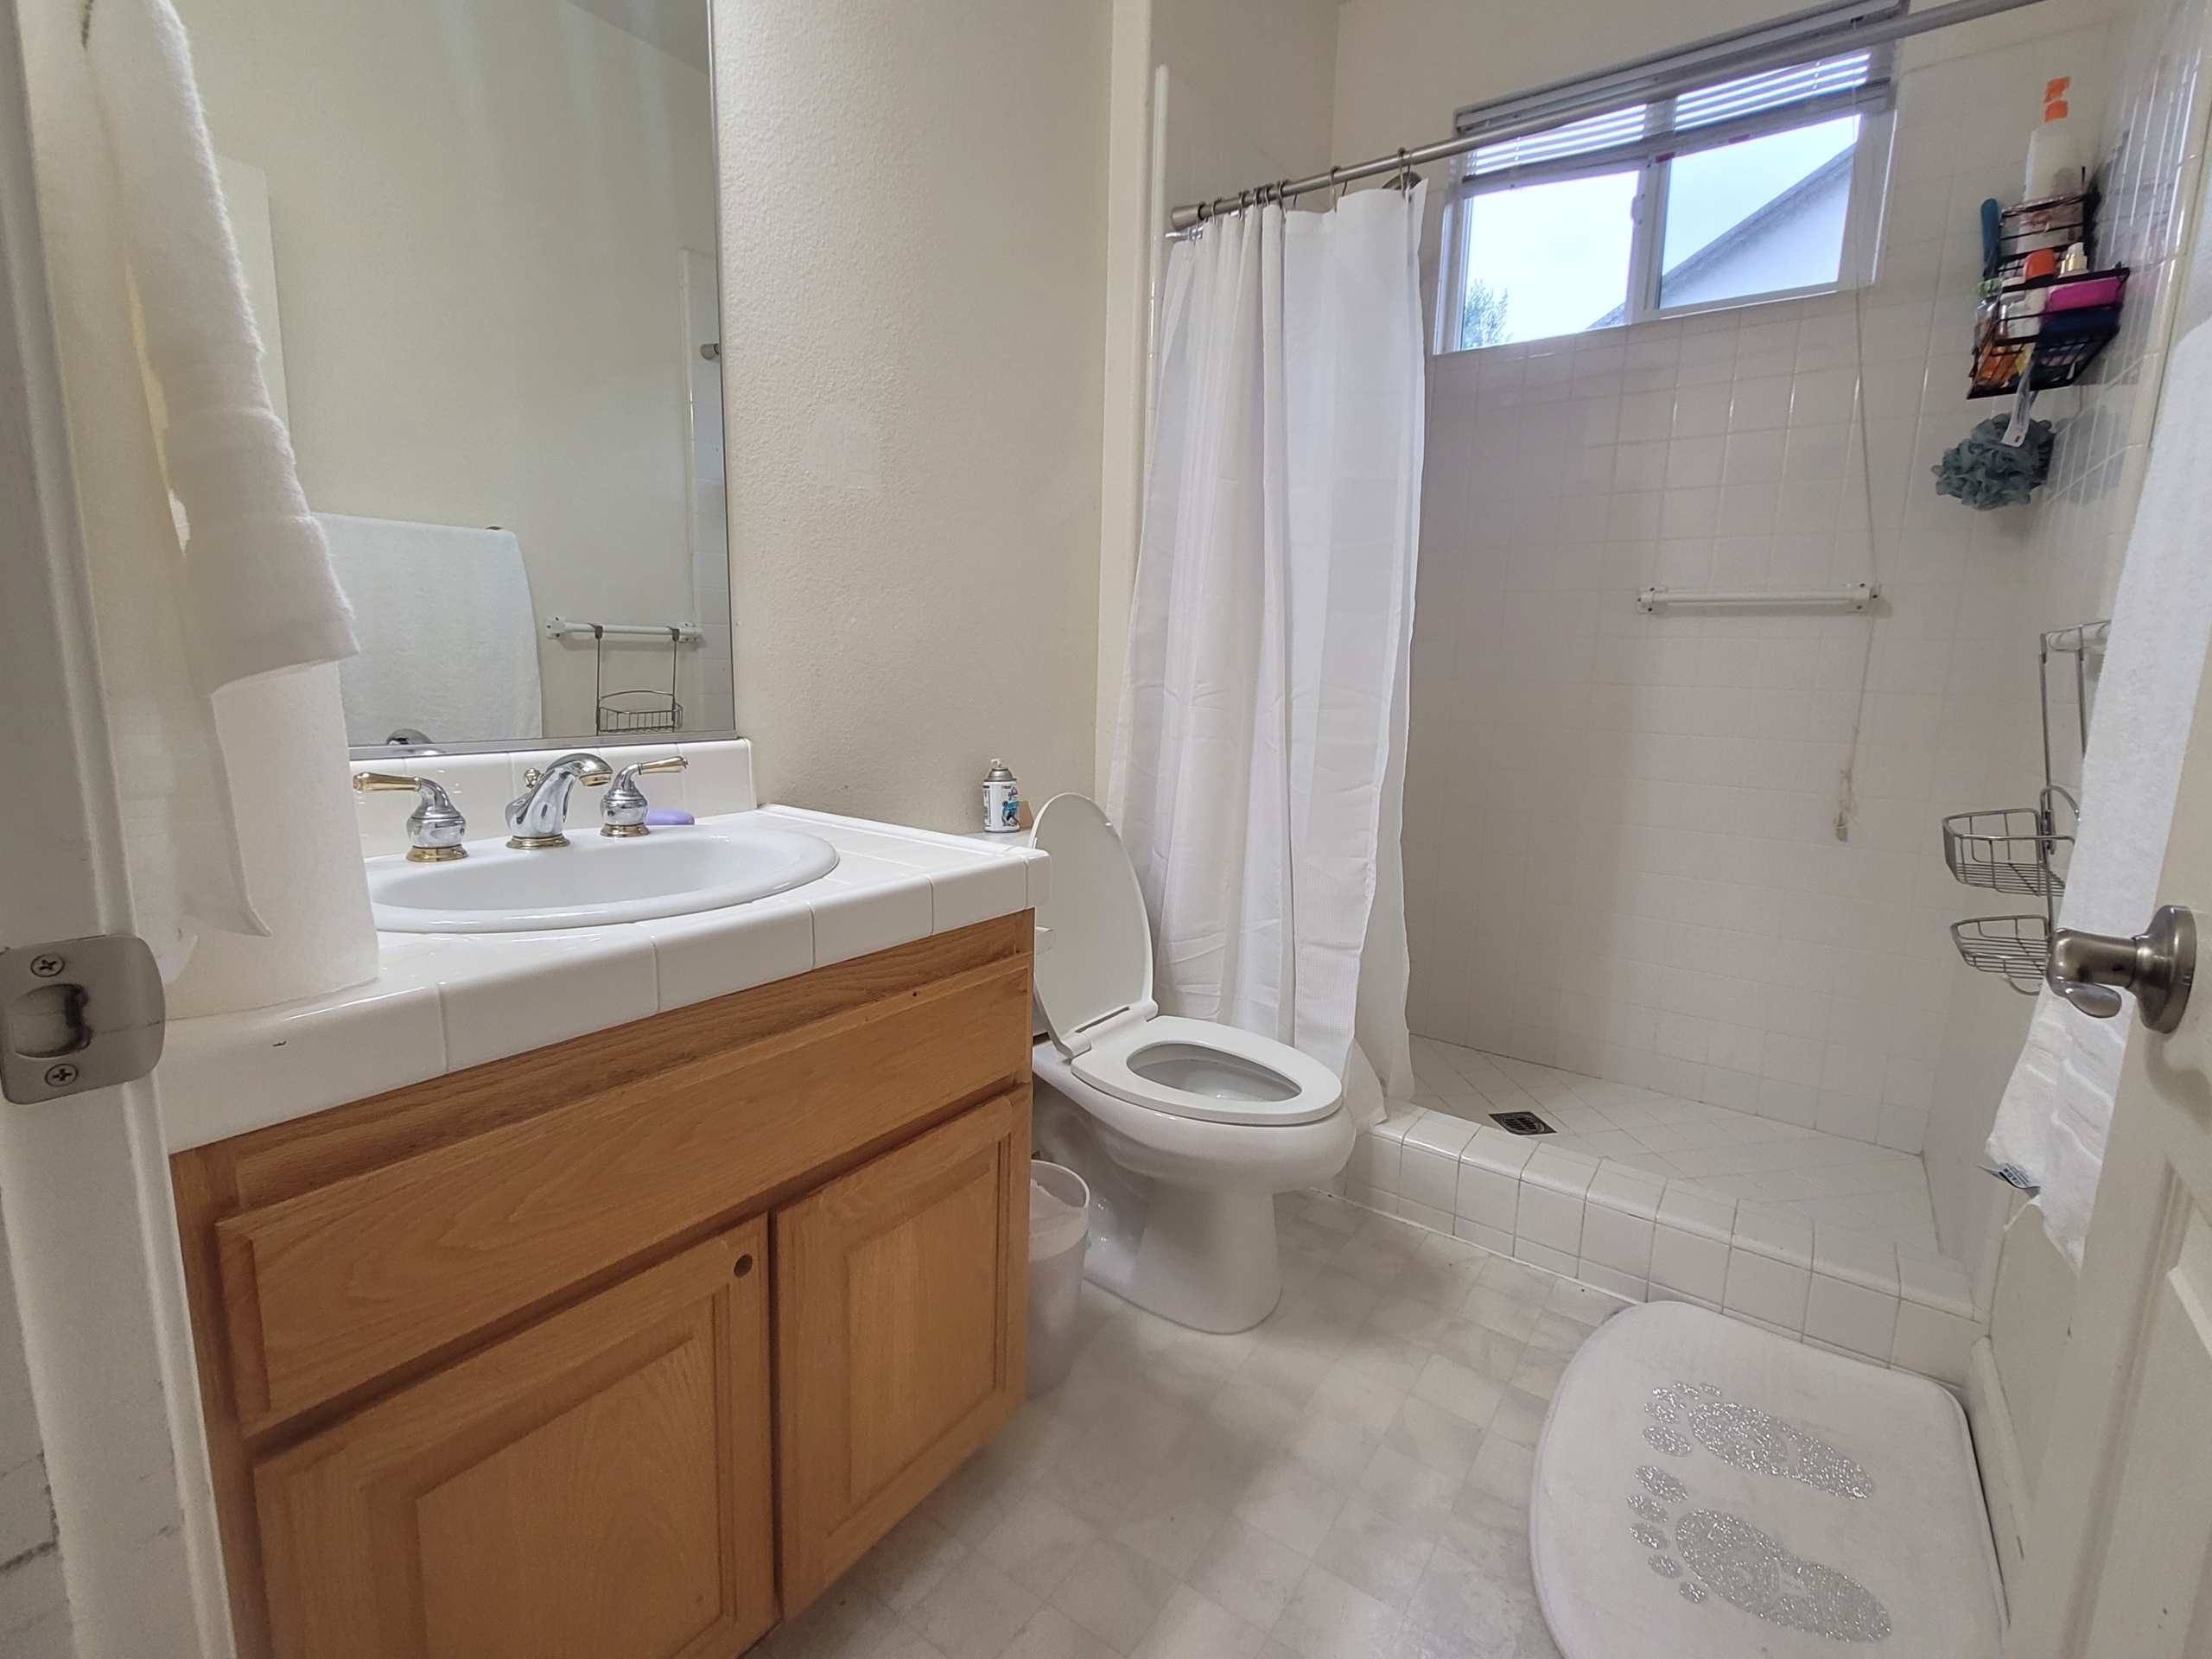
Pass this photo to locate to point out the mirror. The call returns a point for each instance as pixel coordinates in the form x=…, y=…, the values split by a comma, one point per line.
x=480, y=240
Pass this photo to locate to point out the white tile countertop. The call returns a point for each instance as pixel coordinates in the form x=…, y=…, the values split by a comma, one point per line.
x=443, y=1002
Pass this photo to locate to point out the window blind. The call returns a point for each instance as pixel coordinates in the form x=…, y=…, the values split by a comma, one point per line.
x=1656, y=116
x=1772, y=89
x=1855, y=82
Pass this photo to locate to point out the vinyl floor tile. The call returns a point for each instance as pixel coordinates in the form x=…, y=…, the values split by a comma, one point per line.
x=1348, y=1481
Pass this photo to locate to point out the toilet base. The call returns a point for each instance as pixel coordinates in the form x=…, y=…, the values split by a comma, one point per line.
x=1204, y=1259
x=1204, y=1256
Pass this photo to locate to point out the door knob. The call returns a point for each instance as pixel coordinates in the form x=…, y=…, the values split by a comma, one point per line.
x=2158, y=966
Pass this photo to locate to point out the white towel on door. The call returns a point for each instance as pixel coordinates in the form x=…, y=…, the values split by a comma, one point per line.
x=2058, y=1105
x=258, y=593
x=449, y=641
x=128, y=202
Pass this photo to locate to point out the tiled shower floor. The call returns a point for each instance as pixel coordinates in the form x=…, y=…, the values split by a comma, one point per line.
x=1827, y=1178
x=1823, y=1239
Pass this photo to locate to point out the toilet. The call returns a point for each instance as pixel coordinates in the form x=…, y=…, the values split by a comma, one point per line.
x=1184, y=1129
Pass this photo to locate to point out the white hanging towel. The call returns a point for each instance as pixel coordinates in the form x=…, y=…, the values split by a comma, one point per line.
x=1258, y=768
x=134, y=233
x=448, y=639
x=258, y=591
x=2057, y=1107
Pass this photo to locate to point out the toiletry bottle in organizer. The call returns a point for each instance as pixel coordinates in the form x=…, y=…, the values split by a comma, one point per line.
x=2054, y=165
x=1001, y=800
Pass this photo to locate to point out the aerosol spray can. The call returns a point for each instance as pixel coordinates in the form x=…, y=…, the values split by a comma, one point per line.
x=1001, y=800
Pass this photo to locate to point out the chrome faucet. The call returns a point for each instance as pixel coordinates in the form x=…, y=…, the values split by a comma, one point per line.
x=622, y=808
x=540, y=818
x=436, y=828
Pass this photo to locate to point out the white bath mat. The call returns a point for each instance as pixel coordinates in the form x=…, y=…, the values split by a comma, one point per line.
x=1705, y=1488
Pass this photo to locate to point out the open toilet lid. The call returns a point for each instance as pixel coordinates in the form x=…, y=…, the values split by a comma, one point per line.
x=1098, y=959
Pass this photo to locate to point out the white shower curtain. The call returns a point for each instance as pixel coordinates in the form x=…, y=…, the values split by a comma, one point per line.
x=1259, y=769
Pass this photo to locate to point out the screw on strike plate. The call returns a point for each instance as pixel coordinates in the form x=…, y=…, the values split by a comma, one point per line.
x=47, y=966
x=61, y=1077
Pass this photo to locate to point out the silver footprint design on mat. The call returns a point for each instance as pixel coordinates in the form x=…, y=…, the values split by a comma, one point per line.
x=1711, y=1552
x=1749, y=1439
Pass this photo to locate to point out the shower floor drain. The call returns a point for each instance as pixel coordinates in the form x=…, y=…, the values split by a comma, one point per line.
x=1521, y=1123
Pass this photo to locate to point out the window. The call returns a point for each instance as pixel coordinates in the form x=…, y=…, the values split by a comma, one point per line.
x=1763, y=187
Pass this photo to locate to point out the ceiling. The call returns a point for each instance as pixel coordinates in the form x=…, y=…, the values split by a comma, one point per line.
x=676, y=26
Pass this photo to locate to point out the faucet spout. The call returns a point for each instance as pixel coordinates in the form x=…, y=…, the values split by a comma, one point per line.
x=540, y=818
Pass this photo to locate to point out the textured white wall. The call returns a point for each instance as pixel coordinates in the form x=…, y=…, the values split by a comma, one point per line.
x=478, y=211
x=914, y=238
x=1267, y=70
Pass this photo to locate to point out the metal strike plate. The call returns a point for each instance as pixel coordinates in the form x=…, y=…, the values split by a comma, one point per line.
x=77, y=1014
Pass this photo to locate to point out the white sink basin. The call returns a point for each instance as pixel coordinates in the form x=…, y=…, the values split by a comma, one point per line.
x=595, y=880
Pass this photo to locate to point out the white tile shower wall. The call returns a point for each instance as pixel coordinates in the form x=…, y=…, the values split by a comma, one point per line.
x=1621, y=854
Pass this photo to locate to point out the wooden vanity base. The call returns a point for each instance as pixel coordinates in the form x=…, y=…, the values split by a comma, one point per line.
x=626, y=1347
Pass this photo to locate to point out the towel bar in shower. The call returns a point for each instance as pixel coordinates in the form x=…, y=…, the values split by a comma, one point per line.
x=1857, y=597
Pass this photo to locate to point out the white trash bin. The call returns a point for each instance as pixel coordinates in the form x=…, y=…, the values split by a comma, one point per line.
x=1059, y=1226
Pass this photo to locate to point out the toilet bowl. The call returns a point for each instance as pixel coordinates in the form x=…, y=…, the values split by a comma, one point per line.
x=1185, y=1130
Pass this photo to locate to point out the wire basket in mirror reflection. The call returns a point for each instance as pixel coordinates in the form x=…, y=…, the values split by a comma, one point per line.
x=636, y=709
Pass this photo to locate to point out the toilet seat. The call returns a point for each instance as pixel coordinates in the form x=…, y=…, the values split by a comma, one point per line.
x=1197, y=1150
x=1118, y=1059
x=1093, y=986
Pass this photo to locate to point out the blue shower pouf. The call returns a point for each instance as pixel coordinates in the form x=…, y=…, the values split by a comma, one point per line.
x=1983, y=471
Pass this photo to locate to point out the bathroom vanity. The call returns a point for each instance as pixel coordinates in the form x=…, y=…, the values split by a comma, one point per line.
x=629, y=1344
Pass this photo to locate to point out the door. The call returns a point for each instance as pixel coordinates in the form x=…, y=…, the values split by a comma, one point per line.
x=901, y=1306
x=126, y=1564
x=596, y=1487
x=2121, y=1537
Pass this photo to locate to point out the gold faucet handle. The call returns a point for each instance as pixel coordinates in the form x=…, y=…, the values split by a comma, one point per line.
x=435, y=827
x=591, y=778
x=674, y=763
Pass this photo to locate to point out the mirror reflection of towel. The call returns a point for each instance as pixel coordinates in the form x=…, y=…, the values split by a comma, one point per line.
x=449, y=640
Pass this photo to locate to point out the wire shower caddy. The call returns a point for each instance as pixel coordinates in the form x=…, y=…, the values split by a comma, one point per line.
x=2024, y=849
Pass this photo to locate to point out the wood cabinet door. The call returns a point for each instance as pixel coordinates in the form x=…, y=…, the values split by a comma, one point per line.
x=597, y=1486
x=900, y=1313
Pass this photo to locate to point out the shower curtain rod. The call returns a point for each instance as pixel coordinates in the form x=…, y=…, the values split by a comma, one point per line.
x=1604, y=93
